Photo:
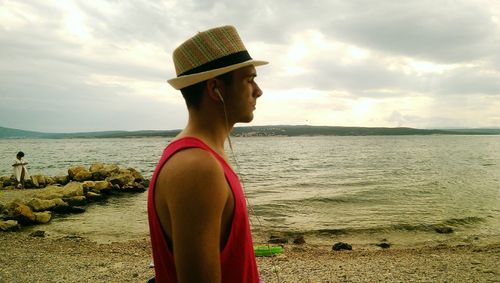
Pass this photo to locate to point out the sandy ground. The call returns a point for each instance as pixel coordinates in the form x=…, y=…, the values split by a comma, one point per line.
x=30, y=259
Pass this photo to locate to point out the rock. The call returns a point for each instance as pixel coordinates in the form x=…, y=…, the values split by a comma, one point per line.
x=38, y=181
x=49, y=195
x=42, y=204
x=28, y=184
x=134, y=188
x=299, y=240
x=89, y=185
x=102, y=171
x=101, y=186
x=341, y=246
x=66, y=209
x=73, y=189
x=444, y=230
x=49, y=180
x=95, y=167
x=278, y=240
x=38, y=233
x=6, y=181
x=83, y=176
x=137, y=175
x=43, y=217
x=121, y=179
x=384, y=245
x=94, y=196
x=75, y=170
x=9, y=225
x=20, y=212
x=62, y=180
x=76, y=200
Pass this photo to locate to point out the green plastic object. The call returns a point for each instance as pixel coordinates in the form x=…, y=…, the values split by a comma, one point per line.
x=267, y=251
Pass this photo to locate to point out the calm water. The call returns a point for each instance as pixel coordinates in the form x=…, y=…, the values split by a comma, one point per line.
x=331, y=186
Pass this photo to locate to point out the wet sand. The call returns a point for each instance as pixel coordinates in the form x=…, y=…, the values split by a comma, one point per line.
x=73, y=259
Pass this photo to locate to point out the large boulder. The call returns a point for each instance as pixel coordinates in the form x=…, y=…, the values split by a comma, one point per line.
x=83, y=176
x=73, y=189
x=121, y=179
x=102, y=171
x=6, y=181
x=9, y=225
x=94, y=196
x=20, y=212
x=137, y=175
x=38, y=181
x=49, y=180
x=102, y=186
x=134, y=187
x=96, y=167
x=43, y=217
x=62, y=180
x=88, y=185
x=42, y=204
x=74, y=171
x=76, y=200
x=50, y=192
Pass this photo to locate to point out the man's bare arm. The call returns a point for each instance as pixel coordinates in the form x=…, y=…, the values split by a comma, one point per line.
x=197, y=193
x=20, y=164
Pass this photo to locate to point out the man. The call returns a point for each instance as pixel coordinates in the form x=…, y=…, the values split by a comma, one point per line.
x=196, y=208
x=20, y=172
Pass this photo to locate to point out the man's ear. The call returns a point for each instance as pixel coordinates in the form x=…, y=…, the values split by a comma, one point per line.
x=214, y=86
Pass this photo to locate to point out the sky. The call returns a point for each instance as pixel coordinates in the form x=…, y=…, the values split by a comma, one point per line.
x=75, y=66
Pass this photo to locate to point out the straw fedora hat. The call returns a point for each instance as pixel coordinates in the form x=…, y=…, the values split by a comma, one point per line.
x=209, y=54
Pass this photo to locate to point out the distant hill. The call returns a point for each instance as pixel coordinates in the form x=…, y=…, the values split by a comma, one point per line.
x=280, y=130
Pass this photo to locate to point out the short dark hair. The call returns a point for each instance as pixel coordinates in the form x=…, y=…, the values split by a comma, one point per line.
x=194, y=93
x=21, y=154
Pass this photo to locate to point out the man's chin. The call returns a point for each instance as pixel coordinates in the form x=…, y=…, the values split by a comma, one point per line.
x=246, y=119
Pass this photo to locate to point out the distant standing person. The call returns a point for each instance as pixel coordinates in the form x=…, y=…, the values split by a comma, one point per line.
x=20, y=171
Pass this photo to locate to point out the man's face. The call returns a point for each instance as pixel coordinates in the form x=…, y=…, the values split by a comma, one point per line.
x=242, y=95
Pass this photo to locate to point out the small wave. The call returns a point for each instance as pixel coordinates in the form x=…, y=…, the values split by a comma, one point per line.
x=422, y=227
x=328, y=200
x=464, y=221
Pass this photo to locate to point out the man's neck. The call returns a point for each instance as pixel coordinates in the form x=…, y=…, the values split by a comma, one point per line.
x=213, y=132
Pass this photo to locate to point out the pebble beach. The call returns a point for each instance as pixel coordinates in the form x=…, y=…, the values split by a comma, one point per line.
x=25, y=258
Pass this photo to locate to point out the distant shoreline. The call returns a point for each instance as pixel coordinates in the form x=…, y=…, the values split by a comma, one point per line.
x=255, y=131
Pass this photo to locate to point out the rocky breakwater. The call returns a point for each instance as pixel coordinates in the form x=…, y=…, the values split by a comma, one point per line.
x=68, y=194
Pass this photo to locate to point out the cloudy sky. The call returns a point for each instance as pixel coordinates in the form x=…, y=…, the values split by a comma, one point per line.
x=68, y=66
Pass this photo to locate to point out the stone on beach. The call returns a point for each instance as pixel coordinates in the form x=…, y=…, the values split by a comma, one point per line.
x=9, y=225
x=20, y=212
x=299, y=240
x=76, y=200
x=45, y=204
x=38, y=181
x=383, y=245
x=101, y=186
x=43, y=217
x=444, y=230
x=341, y=246
x=62, y=180
x=38, y=233
x=278, y=240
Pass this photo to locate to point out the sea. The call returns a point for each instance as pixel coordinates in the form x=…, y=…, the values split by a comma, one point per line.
x=361, y=189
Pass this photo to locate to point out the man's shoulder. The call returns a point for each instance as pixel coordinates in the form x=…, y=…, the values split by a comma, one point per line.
x=193, y=159
x=191, y=166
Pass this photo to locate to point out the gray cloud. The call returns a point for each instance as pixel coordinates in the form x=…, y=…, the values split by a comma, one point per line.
x=438, y=31
x=46, y=74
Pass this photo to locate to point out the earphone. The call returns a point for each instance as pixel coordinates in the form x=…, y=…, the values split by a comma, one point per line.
x=220, y=96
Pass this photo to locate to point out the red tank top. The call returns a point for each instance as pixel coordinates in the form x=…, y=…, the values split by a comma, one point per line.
x=237, y=257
